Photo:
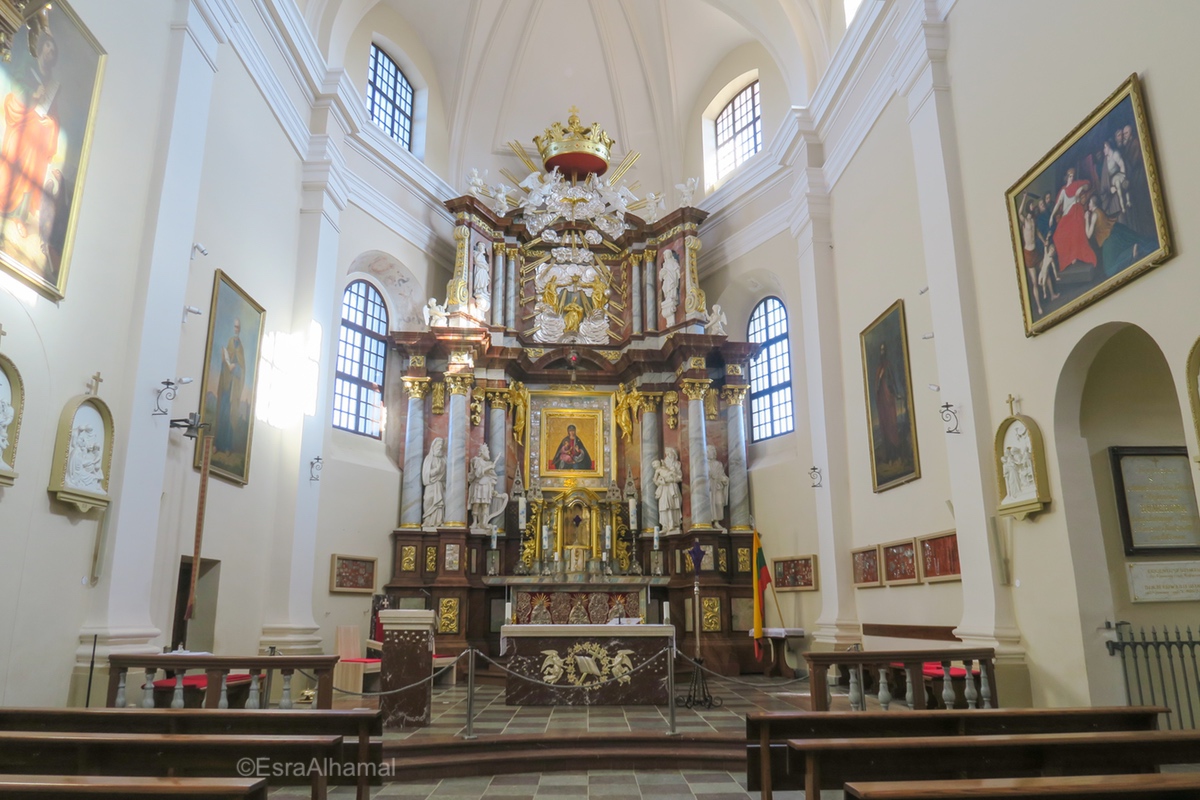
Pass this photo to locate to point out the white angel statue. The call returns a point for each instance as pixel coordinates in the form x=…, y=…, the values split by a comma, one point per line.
x=687, y=191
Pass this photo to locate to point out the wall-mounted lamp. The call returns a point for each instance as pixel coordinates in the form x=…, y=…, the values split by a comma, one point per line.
x=314, y=468
x=950, y=417
x=167, y=394
x=198, y=248
x=189, y=310
x=815, y=474
x=191, y=426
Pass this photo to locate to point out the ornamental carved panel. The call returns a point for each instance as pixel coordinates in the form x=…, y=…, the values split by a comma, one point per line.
x=711, y=613
x=408, y=558
x=448, y=615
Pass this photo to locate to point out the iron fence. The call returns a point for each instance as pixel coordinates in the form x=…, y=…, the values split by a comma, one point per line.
x=1160, y=669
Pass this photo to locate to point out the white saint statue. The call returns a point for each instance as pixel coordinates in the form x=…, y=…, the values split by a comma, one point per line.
x=668, y=275
x=482, y=480
x=482, y=278
x=668, y=475
x=84, y=460
x=718, y=485
x=433, y=476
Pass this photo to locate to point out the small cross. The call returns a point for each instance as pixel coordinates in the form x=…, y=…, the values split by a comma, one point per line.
x=1010, y=400
x=94, y=384
x=573, y=111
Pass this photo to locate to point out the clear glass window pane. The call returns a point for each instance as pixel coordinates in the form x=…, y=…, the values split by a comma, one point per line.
x=361, y=359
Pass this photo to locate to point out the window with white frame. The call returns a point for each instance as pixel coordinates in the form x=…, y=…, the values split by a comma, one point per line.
x=390, y=98
x=362, y=351
x=771, y=412
x=739, y=131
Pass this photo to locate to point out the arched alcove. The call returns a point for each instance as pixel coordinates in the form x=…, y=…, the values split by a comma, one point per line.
x=1115, y=389
x=402, y=292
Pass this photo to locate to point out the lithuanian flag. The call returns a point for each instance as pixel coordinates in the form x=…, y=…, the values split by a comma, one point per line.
x=762, y=579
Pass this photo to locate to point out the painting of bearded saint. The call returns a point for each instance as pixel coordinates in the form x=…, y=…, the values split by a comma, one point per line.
x=48, y=92
x=893, y=431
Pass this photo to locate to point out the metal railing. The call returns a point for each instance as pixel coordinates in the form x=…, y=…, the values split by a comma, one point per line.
x=1160, y=669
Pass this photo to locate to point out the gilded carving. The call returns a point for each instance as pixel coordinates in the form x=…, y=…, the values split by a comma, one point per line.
x=498, y=398
x=586, y=665
x=456, y=288
x=476, y=409
x=448, y=615
x=696, y=299
x=612, y=355
x=408, y=558
x=733, y=369
x=743, y=559
x=459, y=384
x=535, y=353
x=417, y=388
x=671, y=409
x=734, y=395
x=697, y=362
x=439, y=398
x=694, y=388
x=416, y=361
x=711, y=410
x=431, y=559
x=722, y=559
x=710, y=613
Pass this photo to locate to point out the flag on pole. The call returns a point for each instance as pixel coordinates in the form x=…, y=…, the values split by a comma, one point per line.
x=762, y=579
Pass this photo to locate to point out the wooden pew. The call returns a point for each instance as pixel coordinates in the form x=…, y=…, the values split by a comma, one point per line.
x=282, y=759
x=830, y=763
x=96, y=787
x=362, y=757
x=215, y=667
x=769, y=731
x=1171, y=786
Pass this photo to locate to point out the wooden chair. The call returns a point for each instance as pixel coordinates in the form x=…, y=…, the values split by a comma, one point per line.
x=352, y=668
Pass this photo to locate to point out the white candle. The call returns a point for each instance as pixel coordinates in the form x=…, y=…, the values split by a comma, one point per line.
x=656, y=530
x=666, y=613
x=633, y=515
x=493, y=537
x=508, y=611
x=607, y=537
x=556, y=556
x=521, y=511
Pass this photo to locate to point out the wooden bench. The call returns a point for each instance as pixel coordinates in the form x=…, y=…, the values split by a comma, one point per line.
x=216, y=669
x=830, y=763
x=97, y=787
x=361, y=756
x=282, y=759
x=769, y=731
x=1171, y=786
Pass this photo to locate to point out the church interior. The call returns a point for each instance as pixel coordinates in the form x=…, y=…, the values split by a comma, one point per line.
x=694, y=314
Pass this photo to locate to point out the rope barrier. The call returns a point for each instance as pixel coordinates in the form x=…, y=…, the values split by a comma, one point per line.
x=727, y=679
x=434, y=675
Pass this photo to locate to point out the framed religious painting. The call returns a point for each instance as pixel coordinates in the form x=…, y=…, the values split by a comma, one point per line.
x=937, y=557
x=1156, y=500
x=51, y=88
x=228, y=388
x=1089, y=217
x=83, y=449
x=352, y=574
x=891, y=423
x=865, y=567
x=12, y=407
x=572, y=443
x=795, y=574
x=1021, y=483
x=900, y=562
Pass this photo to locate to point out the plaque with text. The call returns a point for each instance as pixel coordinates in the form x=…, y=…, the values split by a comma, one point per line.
x=1156, y=500
x=1164, y=581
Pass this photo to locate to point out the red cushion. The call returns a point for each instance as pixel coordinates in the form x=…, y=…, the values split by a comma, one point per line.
x=362, y=660
x=932, y=669
x=201, y=681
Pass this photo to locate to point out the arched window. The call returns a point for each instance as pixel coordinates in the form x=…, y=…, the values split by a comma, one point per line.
x=770, y=372
x=739, y=131
x=390, y=98
x=362, y=350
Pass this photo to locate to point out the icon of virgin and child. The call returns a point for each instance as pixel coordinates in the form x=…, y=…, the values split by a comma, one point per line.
x=572, y=454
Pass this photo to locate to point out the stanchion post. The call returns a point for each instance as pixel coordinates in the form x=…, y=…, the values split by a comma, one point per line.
x=671, y=685
x=470, y=694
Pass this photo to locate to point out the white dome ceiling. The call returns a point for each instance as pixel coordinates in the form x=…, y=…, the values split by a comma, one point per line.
x=508, y=68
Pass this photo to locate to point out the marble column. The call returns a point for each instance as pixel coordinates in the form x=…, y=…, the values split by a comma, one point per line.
x=414, y=452
x=651, y=450
x=701, y=500
x=511, y=286
x=456, y=451
x=739, y=484
x=635, y=283
x=497, y=438
x=650, y=295
x=498, y=294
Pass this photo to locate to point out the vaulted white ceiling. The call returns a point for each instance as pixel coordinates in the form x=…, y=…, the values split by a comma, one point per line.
x=508, y=68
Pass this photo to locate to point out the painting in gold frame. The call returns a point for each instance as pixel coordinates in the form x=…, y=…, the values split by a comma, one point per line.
x=572, y=443
x=937, y=557
x=229, y=386
x=50, y=91
x=865, y=563
x=1089, y=217
x=795, y=573
x=891, y=421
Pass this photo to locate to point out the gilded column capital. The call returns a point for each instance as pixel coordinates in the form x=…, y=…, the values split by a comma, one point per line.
x=417, y=388
x=734, y=395
x=694, y=388
x=649, y=401
x=498, y=398
x=460, y=384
